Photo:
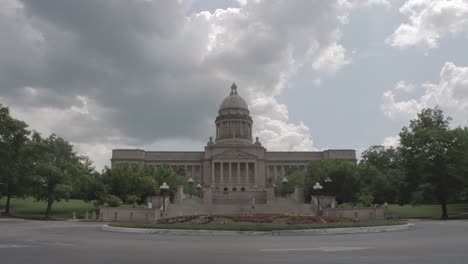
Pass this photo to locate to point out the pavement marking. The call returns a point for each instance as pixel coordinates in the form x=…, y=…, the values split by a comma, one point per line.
x=324, y=249
x=2, y=246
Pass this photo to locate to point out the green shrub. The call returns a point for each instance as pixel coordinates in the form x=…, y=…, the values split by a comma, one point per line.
x=113, y=201
x=132, y=200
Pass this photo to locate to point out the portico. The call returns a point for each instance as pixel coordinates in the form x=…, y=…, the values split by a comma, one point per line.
x=234, y=174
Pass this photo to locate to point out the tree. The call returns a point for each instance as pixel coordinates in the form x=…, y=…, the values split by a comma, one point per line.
x=55, y=165
x=430, y=155
x=381, y=171
x=381, y=157
x=13, y=138
x=89, y=185
x=294, y=179
x=344, y=175
x=165, y=174
x=125, y=180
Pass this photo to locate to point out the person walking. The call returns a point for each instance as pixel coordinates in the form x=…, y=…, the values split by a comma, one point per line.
x=252, y=203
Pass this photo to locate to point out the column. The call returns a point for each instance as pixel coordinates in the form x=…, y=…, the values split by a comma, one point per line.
x=238, y=173
x=193, y=172
x=212, y=172
x=230, y=174
x=246, y=179
x=221, y=179
x=185, y=170
x=255, y=172
x=282, y=171
x=246, y=173
x=275, y=175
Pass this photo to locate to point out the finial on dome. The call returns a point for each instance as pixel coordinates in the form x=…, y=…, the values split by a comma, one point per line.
x=233, y=88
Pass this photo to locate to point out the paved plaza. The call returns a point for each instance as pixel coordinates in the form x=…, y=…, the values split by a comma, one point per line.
x=78, y=242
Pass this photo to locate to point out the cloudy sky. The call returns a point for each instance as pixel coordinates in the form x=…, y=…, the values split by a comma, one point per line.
x=151, y=74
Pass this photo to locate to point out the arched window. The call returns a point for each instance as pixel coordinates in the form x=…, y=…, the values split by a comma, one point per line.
x=242, y=189
x=225, y=189
x=234, y=189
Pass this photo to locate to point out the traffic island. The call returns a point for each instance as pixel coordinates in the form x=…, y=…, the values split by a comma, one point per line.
x=258, y=224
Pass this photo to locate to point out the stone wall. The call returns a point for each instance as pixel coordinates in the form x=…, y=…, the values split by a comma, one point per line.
x=195, y=206
x=356, y=213
x=325, y=201
x=117, y=214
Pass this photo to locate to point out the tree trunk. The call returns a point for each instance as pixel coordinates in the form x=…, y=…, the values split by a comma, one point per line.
x=444, y=210
x=49, y=207
x=7, y=206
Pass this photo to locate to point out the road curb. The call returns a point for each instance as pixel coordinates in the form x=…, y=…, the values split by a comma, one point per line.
x=305, y=232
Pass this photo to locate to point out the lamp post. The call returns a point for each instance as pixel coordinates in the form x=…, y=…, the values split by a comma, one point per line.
x=164, y=187
x=317, y=187
x=285, y=183
x=190, y=182
x=199, y=189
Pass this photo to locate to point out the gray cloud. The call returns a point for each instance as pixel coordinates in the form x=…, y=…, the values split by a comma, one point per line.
x=107, y=74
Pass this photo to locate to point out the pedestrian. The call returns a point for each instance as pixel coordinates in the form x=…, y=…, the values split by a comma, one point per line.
x=252, y=204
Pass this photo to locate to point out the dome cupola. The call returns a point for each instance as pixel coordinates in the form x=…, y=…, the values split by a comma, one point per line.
x=234, y=101
x=234, y=124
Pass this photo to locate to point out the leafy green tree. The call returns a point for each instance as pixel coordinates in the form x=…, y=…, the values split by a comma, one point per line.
x=345, y=182
x=365, y=197
x=13, y=138
x=296, y=178
x=89, y=186
x=165, y=174
x=381, y=157
x=125, y=180
x=430, y=155
x=55, y=165
x=381, y=170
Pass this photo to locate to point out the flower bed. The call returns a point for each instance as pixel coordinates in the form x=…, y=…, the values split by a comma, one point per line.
x=255, y=219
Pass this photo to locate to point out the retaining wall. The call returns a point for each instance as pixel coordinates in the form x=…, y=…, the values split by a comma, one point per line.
x=356, y=213
x=117, y=214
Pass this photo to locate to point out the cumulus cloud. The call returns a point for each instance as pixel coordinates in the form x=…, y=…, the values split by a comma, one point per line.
x=108, y=74
x=450, y=93
x=428, y=22
x=330, y=59
x=404, y=87
x=391, y=141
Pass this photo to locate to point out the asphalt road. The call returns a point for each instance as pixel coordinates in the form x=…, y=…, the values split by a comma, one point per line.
x=76, y=242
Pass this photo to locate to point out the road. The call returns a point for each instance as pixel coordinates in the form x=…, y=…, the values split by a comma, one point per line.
x=78, y=242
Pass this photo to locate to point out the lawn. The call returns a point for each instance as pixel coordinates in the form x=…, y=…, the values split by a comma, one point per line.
x=256, y=227
x=29, y=208
x=428, y=211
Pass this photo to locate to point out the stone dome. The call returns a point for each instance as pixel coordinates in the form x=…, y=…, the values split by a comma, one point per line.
x=234, y=124
x=234, y=101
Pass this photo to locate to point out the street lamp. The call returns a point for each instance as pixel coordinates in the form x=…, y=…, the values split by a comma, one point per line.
x=328, y=179
x=285, y=183
x=190, y=182
x=317, y=187
x=199, y=189
x=164, y=187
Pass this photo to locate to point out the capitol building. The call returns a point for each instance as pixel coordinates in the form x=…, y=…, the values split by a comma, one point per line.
x=233, y=161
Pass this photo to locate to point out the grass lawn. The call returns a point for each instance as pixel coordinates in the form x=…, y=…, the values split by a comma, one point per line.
x=429, y=211
x=256, y=227
x=29, y=208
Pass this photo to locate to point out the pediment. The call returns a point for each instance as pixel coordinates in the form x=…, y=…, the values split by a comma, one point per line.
x=234, y=154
